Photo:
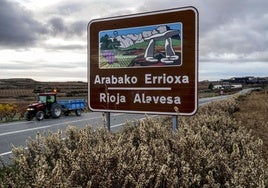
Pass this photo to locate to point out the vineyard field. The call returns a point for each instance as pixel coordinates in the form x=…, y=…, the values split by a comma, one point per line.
x=7, y=93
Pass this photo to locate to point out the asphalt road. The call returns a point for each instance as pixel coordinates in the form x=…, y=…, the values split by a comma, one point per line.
x=16, y=133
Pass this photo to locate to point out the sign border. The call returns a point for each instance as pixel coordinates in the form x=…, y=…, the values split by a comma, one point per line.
x=139, y=15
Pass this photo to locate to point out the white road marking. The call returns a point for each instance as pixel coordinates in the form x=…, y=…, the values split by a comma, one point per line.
x=6, y=153
x=43, y=127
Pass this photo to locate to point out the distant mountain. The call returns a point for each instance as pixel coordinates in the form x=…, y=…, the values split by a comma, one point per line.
x=131, y=39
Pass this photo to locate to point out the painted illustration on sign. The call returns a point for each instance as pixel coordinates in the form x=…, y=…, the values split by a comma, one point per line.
x=148, y=46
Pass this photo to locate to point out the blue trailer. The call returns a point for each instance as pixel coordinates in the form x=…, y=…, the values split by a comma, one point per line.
x=74, y=105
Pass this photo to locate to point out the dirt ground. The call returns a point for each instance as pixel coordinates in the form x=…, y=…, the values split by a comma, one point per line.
x=253, y=113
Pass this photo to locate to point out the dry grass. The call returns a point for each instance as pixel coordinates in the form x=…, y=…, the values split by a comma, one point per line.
x=253, y=114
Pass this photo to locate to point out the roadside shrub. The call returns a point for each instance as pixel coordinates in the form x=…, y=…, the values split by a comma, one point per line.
x=209, y=149
x=7, y=112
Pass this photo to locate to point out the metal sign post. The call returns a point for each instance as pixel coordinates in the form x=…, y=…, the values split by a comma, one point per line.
x=175, y=123
x=108, y=120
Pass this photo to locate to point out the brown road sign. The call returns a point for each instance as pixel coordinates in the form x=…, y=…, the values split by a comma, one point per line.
x=144, y=63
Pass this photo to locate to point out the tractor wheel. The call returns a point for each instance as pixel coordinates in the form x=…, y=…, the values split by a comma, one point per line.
x=56, y=110
x=78, y=112
x=28, y=116
x=40, y=115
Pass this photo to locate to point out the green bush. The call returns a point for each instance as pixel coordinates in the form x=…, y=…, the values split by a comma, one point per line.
x=209, y=149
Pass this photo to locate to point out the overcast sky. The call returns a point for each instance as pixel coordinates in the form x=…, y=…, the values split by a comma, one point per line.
x=47, y=40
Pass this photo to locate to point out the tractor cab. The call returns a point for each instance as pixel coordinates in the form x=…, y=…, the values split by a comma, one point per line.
x=47, y=97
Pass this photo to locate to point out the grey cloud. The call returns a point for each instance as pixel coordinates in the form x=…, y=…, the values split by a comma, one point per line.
x=214, y=13
x=17, y=27
x=26, y=65
x=233, y=27
x=60, y=27
x=78, y=27
x=69, y=7
x=15, y=66
x=66, y=47
x=57, y=25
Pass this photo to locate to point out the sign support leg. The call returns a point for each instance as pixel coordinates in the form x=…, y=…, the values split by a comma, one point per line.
x=175, y=123
x=108, y=120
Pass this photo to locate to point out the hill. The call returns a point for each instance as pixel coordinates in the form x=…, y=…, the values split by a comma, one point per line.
x=24, y=89
x=17, y=83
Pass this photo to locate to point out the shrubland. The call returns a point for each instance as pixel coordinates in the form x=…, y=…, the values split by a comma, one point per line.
x=253, y=110
x=210, y=149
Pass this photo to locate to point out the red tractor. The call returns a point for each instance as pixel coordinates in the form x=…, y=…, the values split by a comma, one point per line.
x=46, y=106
